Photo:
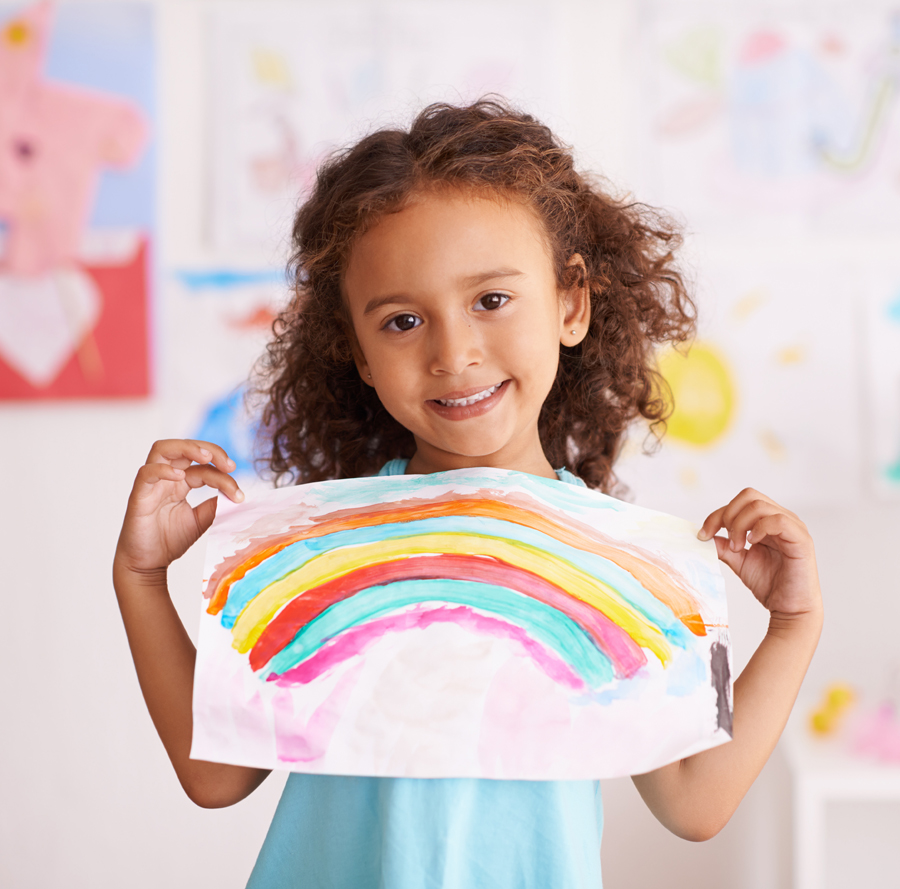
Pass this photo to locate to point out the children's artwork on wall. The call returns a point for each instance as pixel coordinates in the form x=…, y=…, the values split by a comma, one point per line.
x=480, y=622
x=218, y=322
x=291, y=82
x=767, y=396
x=76, y=196
x=762, y=120
x=882, y=342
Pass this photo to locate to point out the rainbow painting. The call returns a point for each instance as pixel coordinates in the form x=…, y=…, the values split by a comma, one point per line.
x=475, y=623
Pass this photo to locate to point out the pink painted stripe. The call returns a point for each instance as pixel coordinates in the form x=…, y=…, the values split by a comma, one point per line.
x=356, y=640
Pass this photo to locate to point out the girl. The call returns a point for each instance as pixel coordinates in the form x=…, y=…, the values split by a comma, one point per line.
x=463, y=297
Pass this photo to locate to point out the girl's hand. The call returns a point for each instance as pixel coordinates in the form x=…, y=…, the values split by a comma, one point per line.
x=160, y=525
x=779, y=568
x=695, y=796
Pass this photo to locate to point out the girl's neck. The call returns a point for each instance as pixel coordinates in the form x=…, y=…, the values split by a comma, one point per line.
x=428, y=459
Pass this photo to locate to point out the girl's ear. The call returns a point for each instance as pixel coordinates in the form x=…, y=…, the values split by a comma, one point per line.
x=358, y=358
x=360, y=362
x=575, y=306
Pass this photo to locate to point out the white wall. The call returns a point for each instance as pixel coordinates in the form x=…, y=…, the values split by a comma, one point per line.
x=87, y=797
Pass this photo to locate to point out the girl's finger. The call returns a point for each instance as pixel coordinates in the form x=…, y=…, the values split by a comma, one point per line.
x=182, y=452
x=782, y=531
x=148, y=476
x=739, y=504
x=179, y=452
x=711, y=524
x=734, y=559
x=217, y=455
x=724, y=516
x=750, y=495
x=151, y=473
x=205, y=513
x=747, y=518
x=198, y=476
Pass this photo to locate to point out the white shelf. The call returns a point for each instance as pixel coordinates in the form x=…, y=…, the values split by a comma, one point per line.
x=824, y=772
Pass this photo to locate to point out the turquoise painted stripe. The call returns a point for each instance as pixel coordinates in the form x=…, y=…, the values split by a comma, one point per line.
x=296, y=555
x=544, y=624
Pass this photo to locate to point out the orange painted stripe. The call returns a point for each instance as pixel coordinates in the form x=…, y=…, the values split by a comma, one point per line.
x=652, y=577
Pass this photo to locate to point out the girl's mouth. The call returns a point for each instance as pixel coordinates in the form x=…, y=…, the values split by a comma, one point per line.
x=473, y=405
x=472, y=399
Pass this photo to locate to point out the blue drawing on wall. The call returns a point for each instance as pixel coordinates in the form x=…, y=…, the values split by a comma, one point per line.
x=893, y=308
x=228, y=423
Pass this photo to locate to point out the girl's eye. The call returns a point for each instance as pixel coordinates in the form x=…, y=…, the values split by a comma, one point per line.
x=491, y=301
x=403, y=322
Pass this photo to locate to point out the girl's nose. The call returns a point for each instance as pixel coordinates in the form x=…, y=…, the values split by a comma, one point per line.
x=455, y=346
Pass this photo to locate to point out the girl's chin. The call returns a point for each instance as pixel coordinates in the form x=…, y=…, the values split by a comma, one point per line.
x=432, y=459
x=447, y=455
x=429, y=458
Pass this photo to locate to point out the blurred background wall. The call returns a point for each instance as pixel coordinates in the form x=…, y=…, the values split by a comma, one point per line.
x=773, y=132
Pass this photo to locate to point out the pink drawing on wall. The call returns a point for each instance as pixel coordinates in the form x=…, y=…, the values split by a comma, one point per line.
x=55, y=140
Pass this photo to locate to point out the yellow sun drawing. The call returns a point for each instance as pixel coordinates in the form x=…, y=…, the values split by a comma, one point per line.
x=703, y=392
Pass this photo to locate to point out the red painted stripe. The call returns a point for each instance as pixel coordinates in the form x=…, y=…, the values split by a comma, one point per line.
x=624, y=653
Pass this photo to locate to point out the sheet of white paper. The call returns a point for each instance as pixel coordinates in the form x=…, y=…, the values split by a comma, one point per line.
x=476, y=623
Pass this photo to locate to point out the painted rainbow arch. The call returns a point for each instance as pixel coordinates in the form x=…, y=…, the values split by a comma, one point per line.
x=585, y=609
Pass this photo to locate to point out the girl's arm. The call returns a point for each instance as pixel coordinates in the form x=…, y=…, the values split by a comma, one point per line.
x=159, y=527
x=696, y=796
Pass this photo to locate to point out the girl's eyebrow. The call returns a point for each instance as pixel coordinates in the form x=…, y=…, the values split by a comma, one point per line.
x=375, y=304
x=475, y=280
x=470, y=281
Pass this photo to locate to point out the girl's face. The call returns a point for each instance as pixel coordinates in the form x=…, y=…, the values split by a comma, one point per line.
x=458, y=322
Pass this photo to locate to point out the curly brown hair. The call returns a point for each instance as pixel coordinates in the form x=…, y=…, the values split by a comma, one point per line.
x=323, y=422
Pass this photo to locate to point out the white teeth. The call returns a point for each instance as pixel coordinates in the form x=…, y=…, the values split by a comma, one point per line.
x=472, y=399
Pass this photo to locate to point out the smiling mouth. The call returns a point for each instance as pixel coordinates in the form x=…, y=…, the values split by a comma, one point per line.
x=471, y=399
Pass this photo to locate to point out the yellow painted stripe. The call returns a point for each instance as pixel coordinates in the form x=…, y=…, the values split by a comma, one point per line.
x=257, y=614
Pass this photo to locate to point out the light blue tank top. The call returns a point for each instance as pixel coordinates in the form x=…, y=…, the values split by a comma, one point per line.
x=338, y=832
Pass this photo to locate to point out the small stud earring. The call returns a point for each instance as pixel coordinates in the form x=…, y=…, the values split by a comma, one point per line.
x=369, y=376
x=574, y=332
